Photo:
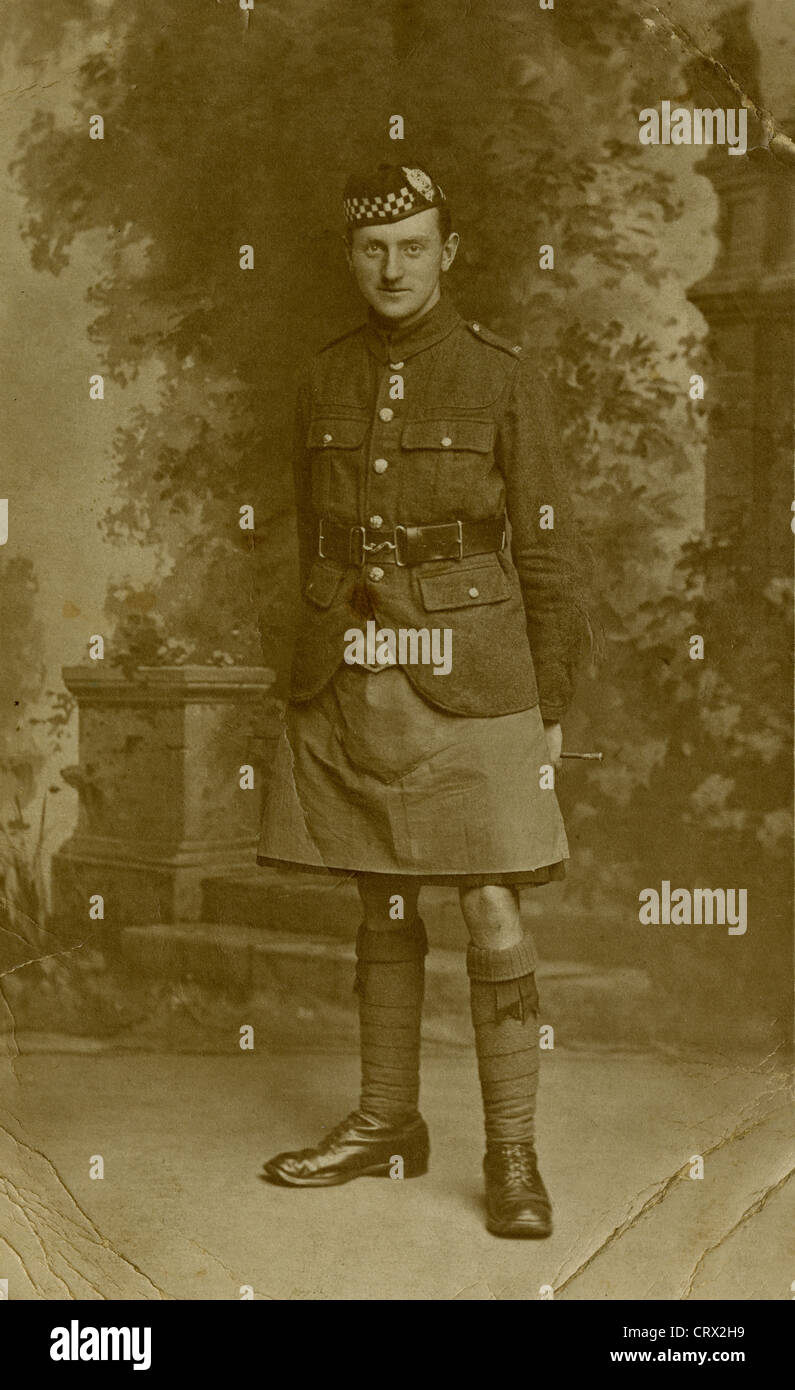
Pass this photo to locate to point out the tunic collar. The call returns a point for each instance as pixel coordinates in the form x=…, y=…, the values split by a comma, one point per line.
x=390, y=344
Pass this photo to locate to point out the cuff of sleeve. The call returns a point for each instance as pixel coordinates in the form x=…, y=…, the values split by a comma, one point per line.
x=552, y=714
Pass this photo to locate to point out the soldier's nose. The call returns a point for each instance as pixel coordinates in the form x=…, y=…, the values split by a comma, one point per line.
x=392, y=269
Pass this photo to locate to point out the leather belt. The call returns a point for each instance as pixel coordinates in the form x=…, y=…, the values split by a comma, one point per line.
x=409, y=545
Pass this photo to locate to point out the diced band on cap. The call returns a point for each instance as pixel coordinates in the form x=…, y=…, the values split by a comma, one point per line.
x=389, y=194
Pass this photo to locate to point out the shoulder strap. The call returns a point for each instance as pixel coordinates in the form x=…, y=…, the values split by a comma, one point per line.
x=485, y=335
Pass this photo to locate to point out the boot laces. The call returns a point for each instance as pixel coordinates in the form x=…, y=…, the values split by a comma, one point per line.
x=340, y=1131
x=517, y=1163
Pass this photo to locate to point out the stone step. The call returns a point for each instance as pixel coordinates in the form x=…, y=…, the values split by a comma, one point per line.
x=287, y=903
x=264, y=968
x=316, y=905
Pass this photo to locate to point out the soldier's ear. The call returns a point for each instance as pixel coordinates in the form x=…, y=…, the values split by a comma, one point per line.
x=448, y=250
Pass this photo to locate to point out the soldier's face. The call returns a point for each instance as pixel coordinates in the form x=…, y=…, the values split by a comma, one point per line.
x=398, y=267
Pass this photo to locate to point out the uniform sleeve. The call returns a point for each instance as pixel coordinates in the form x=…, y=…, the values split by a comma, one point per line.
x=306, y=521
x=551, y=563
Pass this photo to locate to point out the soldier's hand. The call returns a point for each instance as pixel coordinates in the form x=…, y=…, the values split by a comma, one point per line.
x=554, y=735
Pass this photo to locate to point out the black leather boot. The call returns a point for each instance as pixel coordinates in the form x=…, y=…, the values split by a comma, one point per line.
x=517, y=1203
x=360, y=1146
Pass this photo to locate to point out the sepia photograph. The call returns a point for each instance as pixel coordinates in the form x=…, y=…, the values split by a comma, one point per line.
x=396, y=830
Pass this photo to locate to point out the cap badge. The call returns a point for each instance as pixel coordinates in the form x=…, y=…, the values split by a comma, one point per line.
x=420, y=181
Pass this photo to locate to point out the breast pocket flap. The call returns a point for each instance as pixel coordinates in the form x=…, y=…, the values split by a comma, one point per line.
x=336, y=434
x=450, y=436
x=464, y=588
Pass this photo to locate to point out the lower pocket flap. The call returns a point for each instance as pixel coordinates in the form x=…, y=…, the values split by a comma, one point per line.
x=464, y=588
x=324, y=581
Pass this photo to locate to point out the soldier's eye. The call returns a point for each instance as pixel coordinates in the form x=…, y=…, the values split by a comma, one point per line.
x=414, y=249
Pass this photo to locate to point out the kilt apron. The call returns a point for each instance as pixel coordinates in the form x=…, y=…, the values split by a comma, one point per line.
x=371, y=778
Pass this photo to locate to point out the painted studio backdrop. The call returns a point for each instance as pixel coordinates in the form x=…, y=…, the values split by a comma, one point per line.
x=147, y=393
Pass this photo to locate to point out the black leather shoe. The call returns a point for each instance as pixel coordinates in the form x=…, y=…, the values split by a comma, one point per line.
x=517, y=1203
x=360, y=1146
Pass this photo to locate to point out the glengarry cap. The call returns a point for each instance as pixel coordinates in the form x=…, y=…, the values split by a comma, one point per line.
x=388, y=194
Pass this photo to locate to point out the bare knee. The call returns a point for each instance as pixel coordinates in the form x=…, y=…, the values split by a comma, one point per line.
x=492, y=915
x=493, y=903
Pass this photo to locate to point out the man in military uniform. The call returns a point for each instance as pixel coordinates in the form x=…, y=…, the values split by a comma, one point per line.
x=428, y=491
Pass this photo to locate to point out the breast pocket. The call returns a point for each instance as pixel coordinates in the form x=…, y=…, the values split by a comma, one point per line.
x=334, y=444
x=450, y=462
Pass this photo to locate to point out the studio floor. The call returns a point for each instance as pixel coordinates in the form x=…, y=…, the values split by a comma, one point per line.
x=181, y=1212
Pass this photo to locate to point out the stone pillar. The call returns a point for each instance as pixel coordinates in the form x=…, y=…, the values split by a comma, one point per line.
x=161, y=806
x=748, y=300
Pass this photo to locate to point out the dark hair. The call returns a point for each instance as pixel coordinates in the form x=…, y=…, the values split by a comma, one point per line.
x=445, y=218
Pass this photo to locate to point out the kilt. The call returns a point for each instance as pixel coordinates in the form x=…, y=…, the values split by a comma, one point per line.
x=370, y=778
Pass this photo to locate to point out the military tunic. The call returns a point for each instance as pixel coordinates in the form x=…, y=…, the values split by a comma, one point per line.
x=403, y=771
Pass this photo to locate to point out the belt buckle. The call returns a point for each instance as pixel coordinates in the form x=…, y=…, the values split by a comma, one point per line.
x=400, y=531
x=320, y=539
x=360, y=532
x=460, y=539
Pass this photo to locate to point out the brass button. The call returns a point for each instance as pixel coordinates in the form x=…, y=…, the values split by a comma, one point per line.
x=376, y=521
x=447, y=441
x=517, y=347
x=327, y=438
x=376, y=573
x=474, y=593
x=476, y=327
x=386, y=414
x=396, y=366
x=380, y=465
